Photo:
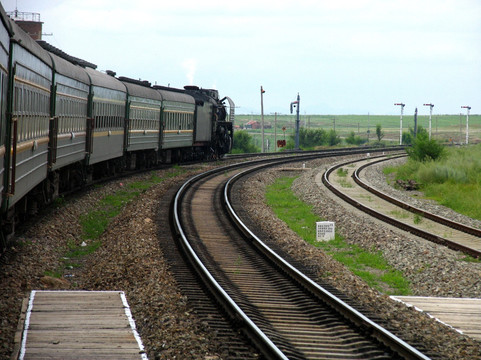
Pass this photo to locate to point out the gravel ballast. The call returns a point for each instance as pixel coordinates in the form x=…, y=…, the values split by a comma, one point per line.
x=130, y=259
x=433, y=270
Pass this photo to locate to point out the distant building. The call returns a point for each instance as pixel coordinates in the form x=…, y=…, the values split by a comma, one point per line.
x=253, y=124
x=29, y=22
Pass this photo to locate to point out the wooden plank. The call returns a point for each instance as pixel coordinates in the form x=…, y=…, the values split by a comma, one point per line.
x=79, y=325
x=463, y=314
x=71, y=354
x=92, y=337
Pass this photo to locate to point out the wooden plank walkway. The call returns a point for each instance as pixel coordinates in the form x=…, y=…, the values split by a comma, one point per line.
x=79, y=325
x=462, y=314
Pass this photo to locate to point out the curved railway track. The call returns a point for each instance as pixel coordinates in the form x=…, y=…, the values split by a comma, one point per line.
x=429, y=226
x=283, y=313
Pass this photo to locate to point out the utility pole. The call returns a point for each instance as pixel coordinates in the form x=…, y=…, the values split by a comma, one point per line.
x=368, y=131
x=275, y=132
x=296, y=104
x=262, y=117
x=401, y=123
x=467, y=122
x=415, y=122
x=430, y=116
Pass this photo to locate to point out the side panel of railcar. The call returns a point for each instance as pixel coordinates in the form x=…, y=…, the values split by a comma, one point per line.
x=69, y=117
x=4, y=49
x=177, y=120
x=108, y=112
x=143, y=114
x=32, y=76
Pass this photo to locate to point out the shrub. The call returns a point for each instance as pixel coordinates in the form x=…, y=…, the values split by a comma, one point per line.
x=309, y=138
x=333, y=138
x=243, y=143
x=424, y=149
x=354, y=139
x=379, y=132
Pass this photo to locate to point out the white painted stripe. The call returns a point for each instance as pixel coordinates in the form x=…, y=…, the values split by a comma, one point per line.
x=125, y=304
x=26, y=325
x=132, y=325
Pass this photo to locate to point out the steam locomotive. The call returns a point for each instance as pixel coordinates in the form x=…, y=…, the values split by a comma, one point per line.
x=63, y=124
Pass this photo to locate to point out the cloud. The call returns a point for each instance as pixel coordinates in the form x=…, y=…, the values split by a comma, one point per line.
x=190, y=66
x=343, y=56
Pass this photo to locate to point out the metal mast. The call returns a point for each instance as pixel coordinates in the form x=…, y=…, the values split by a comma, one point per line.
x=430, y=116
x=296, y=105
x=262, y=117
x=401, y=123
x=467, y=122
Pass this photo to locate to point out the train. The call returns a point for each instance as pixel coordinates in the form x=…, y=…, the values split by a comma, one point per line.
x=64, y=124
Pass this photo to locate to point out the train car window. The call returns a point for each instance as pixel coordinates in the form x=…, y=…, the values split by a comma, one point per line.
x=32, y=115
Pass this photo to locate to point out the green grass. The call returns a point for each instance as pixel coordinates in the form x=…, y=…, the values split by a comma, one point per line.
x=341, y=172
x=417, y=219
x=400, y=214
x=95, y=222
x=369, y=265
x=55, y=274
x=453, y=181
x=469, y=258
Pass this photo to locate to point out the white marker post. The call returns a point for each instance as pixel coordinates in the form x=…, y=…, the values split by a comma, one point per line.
x=325, y=230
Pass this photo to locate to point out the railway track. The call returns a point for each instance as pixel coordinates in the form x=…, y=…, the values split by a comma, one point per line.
x=283, y=313
x=348, y=185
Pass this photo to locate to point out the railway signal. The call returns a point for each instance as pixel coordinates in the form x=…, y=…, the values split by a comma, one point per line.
x=295, y=104
x=467, y=121
x=430, y=117
x=262, y=117
x=401, y=123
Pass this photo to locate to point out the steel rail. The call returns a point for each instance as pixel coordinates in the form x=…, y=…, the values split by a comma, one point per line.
x=323, y=152
x=348, y=312
x=265, y=345
x=411, y=229
x=445, y=221
x=252, y=331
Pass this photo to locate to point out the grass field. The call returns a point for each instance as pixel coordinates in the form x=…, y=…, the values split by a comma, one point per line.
x=453, y=181
x=443, y=127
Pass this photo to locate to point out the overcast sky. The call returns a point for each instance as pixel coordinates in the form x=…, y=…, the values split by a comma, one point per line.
x=341, y=56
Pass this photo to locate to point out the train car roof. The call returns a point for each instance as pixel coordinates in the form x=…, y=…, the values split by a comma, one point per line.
x=103, y=80
x=72, y=59
x=173, y=95
x=24, y=40
x=140, y=90
x=68, y=69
